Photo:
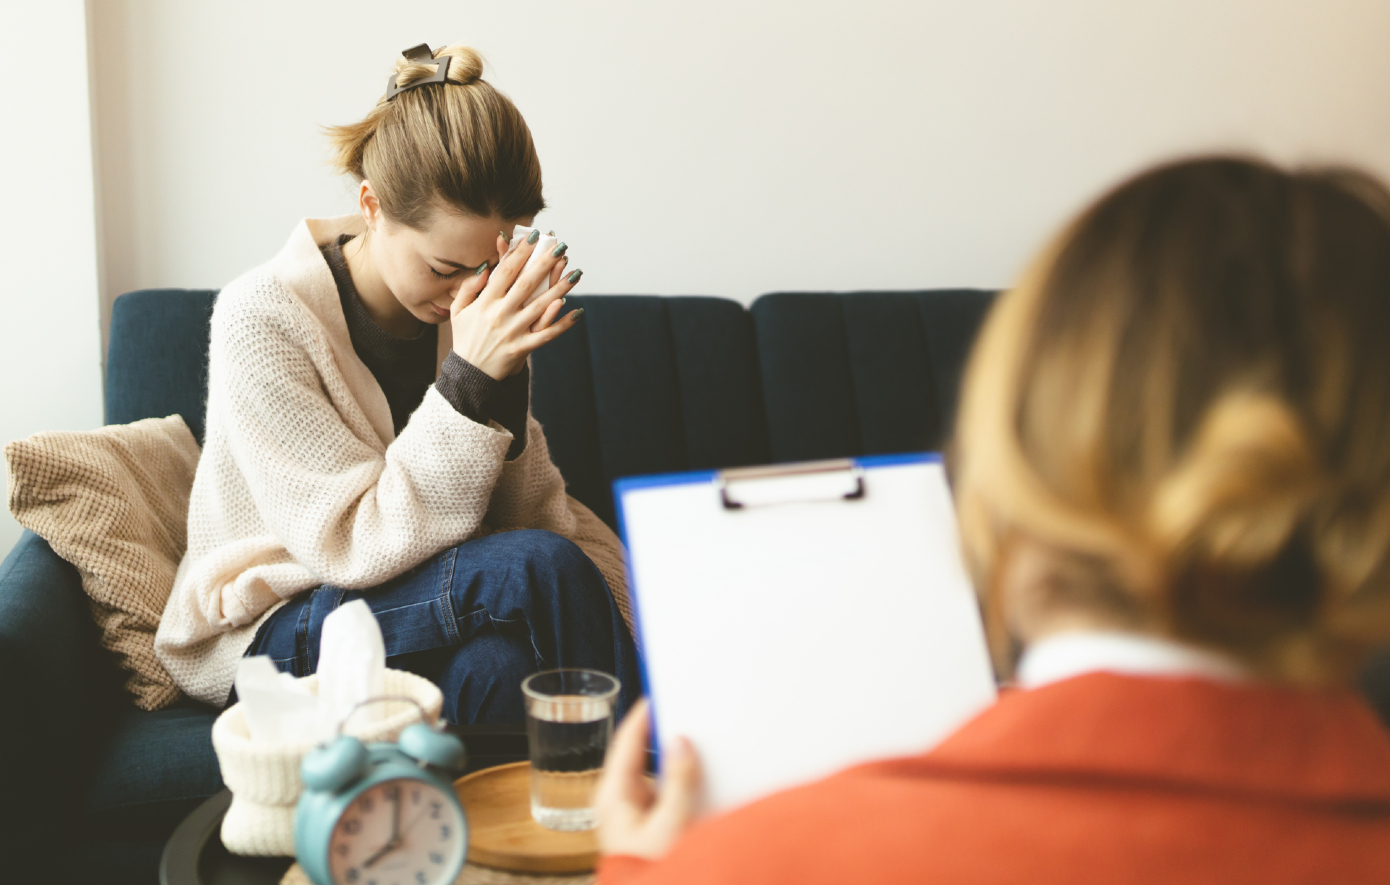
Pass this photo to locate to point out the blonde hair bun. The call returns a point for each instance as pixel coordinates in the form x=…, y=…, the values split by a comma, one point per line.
x=457, y=146
x=465, y=66
x=1238, y=494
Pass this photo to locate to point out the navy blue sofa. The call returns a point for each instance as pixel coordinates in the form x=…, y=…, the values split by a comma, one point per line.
x=646, y=384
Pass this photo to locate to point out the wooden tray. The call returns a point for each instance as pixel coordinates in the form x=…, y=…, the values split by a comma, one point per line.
x=501, y=833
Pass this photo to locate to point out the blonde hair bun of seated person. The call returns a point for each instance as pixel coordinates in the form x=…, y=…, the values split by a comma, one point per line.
x=1185, y=405
x=459, y=145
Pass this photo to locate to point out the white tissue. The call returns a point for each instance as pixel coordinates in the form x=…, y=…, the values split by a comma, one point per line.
x=352, y=663
x=544, y=246
x=278, y=707
x=352, y=668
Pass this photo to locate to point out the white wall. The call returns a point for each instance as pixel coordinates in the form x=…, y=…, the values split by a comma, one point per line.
x=730, y=147
x=50, y=358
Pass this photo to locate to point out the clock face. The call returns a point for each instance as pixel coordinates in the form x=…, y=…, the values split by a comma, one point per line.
x=398, y=832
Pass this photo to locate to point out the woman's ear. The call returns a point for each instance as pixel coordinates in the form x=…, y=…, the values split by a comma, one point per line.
x=368, y=204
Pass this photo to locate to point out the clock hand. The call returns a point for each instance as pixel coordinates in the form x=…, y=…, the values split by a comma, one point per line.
x=396, y=819
x=379, y=855
x=395, y=840
x=410, y=825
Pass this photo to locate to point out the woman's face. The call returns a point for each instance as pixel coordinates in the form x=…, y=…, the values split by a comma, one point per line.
x=424, y=268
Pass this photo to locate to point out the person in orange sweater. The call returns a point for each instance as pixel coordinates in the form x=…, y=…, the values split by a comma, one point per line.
x=1172, y=476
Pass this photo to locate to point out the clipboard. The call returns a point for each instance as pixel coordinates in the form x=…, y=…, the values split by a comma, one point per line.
x=798, y=619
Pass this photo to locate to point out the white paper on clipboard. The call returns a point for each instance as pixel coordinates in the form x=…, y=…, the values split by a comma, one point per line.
x=795, y=624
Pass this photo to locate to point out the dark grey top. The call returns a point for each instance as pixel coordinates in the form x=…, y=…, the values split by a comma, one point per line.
x=404, y=367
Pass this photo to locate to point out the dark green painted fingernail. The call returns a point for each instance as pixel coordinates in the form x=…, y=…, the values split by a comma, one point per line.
x=504, y=235
x=550, y=233
x=562, y=301
x=479, y=272
x=574, y=277
x=560, y=250
x=535, y=235
x=577, y=314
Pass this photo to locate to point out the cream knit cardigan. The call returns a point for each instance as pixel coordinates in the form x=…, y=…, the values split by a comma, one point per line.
x=303, y=482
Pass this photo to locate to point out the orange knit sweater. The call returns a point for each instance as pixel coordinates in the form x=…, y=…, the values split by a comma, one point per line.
x=1096, y=779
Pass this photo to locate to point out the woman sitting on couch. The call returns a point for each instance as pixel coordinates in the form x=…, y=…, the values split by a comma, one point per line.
x=368, y=427
x=1173, y=486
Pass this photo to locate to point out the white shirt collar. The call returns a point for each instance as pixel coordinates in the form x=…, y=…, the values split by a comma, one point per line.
x=1064, y=655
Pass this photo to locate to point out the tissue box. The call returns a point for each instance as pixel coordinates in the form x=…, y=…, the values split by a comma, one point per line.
x=264, y=777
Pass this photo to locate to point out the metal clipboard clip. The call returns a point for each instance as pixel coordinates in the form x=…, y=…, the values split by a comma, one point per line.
x=840, y=479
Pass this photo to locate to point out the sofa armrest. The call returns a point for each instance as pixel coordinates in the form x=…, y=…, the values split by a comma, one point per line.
x=49, y=669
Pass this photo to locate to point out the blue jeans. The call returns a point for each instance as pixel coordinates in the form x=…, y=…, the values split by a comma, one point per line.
x=476, y=620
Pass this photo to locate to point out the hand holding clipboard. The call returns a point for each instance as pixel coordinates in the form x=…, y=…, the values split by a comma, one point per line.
x=797, y=620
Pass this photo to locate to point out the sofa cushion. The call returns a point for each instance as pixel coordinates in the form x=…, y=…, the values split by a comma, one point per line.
x=862, y=373
x=152, y=769
x=649, y=385
x=158, y=360
x=114, y=503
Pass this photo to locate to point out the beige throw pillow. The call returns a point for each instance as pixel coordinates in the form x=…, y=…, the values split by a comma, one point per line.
x=114, y=503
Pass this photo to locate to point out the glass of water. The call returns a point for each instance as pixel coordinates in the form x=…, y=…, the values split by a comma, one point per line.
x=569, y=719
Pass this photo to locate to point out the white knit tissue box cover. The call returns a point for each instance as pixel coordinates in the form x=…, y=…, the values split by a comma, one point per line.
x=264, y=777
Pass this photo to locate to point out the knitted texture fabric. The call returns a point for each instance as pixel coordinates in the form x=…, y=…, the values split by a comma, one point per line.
x=264, y=777
x=304, y=482
x=114, y=503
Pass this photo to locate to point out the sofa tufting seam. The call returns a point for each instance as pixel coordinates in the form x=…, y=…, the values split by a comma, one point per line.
x=841, y=303
x=678, y=393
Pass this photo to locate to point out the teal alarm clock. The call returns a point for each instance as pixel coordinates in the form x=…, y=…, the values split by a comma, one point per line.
x=382, y=814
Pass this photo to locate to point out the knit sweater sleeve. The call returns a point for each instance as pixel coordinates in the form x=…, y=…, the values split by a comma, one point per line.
x=530, y=493
x=352, y=511
x=478, y=396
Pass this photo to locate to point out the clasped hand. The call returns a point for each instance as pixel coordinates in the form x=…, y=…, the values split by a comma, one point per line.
x=493, y=328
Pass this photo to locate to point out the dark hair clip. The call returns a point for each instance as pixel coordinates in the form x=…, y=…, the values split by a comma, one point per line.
x=421, y=55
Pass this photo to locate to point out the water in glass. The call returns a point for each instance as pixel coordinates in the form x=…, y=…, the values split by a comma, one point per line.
x=569, y=736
